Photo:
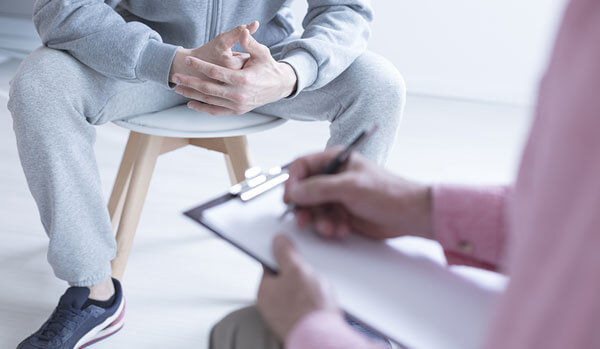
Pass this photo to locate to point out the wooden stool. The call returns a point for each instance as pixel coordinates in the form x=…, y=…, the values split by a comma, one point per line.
x=158, y=133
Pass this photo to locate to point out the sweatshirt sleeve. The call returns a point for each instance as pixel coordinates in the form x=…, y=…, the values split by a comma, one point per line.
x=470, y=224
x=324, y=330
x=95, y=34
x=335, y=34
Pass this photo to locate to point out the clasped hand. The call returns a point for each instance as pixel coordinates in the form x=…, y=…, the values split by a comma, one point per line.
x=223, y=82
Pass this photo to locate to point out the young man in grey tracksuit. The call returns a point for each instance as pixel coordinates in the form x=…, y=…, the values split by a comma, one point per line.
x=108, y=60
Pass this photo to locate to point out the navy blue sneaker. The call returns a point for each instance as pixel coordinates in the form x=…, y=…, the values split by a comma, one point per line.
x=78, y=322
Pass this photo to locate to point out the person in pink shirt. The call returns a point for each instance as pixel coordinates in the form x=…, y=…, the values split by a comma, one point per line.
x=543, y=231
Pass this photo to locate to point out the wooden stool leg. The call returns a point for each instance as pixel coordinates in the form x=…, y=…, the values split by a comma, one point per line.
x=150, y=148
x=117, y=197
x=237, y=157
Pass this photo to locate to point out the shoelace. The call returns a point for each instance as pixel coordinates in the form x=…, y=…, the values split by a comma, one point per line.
x=59, y=320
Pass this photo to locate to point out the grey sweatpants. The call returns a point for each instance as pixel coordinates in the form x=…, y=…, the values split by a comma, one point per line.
x=56, y=101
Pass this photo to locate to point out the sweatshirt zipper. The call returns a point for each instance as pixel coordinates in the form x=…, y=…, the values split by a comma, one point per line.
x=213, y=20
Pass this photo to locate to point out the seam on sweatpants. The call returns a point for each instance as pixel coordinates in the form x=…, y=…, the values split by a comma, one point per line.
x=93, y=280
x=341, y=107
x=97, y=116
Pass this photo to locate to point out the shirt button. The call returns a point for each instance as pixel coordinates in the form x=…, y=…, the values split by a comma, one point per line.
x=465, y=246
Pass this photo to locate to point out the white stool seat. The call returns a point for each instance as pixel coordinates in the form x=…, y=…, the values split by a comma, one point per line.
x=182, y=122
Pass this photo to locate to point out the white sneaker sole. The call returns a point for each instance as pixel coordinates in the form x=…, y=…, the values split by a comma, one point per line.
x=107, y=328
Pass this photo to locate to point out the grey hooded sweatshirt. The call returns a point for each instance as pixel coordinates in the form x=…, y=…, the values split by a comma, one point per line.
x=136, y=40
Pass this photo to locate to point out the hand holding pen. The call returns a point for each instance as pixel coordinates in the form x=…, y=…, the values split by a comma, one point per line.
x=363, y=198
x=338, y=161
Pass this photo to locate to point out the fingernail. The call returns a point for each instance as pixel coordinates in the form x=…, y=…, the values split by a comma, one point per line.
x=176, y=79
x=188, y=61
x=178, y=90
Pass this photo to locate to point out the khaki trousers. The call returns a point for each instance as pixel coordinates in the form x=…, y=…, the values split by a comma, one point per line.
x=243, y=329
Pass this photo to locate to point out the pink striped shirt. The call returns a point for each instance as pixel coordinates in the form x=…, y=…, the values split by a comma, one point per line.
x=545, y=233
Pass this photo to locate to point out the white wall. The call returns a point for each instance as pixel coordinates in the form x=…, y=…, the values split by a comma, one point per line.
x=21, y=8
x=493, y=50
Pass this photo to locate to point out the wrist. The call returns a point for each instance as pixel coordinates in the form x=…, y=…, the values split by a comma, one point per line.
x=178, y=65
x=423, y=216
x=288, y=78
x=413, y=204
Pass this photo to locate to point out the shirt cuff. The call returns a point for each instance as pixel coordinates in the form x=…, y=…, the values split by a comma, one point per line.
x=325, y=329
x=305, y=67
x=469, y=223
x=155, y=62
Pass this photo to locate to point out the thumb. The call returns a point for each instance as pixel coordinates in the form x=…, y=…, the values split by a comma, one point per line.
x=253, y=27
x=285, y=253
x=253, y=47
x=322, y=189
x=226, y=40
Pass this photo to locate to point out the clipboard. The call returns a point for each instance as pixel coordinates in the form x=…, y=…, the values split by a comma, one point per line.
x=406, y=297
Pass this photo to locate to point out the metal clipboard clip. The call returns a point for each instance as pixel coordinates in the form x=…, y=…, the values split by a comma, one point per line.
x=258, y=182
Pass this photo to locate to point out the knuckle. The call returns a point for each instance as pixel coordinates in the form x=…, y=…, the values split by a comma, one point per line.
x=213, y=72
x=219, y=39
x=194, y=63
x=242, y=80
x=195, y=84
x=242, y=99
x=350, y=181
x=351, y=184
x=321, y=191
x=205, y=88
x=265, y=50
x=206, y=98
x=233, y=63
x=227, y=61
x=237, y=98
x=184, y=80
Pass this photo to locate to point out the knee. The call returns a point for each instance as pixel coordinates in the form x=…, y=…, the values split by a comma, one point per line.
x=39, y=90
x=382, y=86
x=35, y=80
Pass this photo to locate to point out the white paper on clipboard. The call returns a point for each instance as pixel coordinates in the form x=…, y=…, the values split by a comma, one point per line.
x=408, y=298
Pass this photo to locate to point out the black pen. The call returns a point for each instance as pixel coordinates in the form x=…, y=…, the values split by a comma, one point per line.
x=339, y=161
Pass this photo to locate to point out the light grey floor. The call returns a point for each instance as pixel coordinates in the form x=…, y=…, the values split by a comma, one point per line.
x=180, y=278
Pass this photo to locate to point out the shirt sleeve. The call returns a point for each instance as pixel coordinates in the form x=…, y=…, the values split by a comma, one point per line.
x=335, y=34
x=470, y=224
x=326, y=330
x=95, y=34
